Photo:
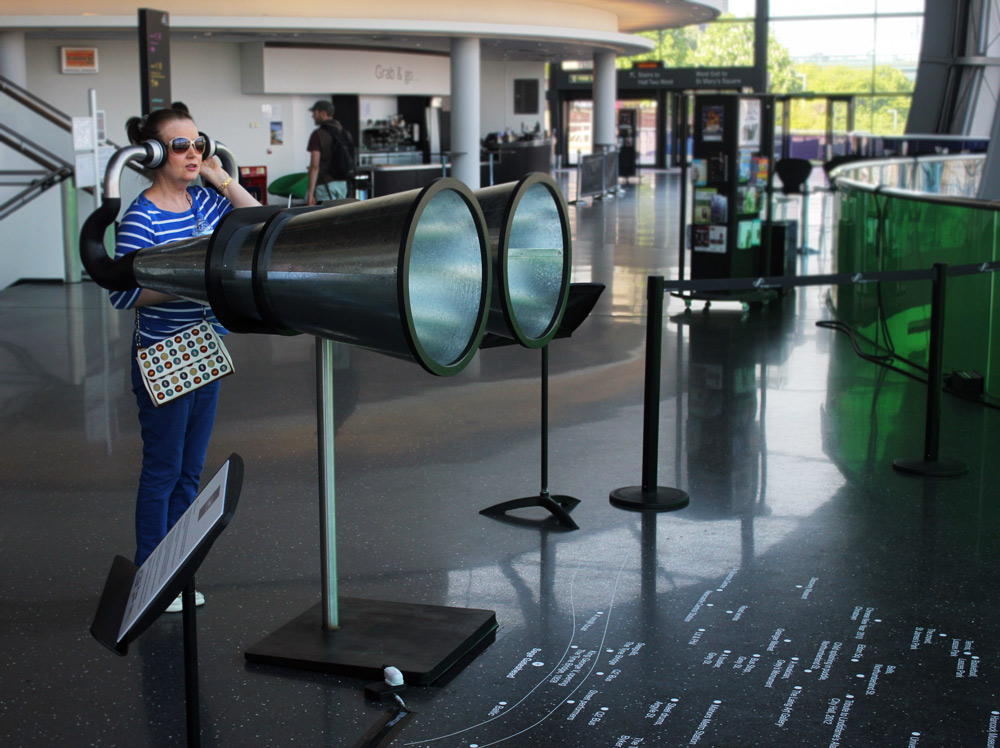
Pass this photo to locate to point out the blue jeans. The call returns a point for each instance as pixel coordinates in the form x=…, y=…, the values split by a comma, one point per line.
x=174, y=442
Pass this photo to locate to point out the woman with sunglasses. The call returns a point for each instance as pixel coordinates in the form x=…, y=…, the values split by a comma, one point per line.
x=175, y=435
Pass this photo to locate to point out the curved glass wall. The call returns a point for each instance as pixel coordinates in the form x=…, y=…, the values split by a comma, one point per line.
x=923, y=213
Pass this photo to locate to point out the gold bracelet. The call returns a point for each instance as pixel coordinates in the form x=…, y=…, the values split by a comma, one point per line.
x=225, y=184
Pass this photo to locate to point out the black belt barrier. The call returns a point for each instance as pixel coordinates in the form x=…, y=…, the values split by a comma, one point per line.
x=651, y=497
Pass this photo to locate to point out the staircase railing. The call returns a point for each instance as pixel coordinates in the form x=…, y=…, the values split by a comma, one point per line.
x=35, y=181
x=54, y=168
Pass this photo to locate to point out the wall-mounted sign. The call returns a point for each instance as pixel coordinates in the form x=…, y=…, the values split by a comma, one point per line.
x=77, y=60
x=154, y=59
x=303, y=70
x=749, y=123
x=526, y=96
x=83, y=132
x=646, y=75
x=688, y=78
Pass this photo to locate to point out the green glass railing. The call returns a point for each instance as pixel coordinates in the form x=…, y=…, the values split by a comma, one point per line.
x=907, y=214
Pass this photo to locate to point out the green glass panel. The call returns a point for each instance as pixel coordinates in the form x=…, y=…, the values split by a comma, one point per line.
x=879, y=232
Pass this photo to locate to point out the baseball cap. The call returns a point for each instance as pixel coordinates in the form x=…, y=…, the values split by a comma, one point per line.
x=322, y=106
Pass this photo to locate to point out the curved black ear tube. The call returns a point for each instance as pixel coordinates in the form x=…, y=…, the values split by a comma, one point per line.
x=118, y=275
x=114, y=275
x=225, y=156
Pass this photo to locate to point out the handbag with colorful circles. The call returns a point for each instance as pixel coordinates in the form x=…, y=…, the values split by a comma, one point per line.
x=182, y=363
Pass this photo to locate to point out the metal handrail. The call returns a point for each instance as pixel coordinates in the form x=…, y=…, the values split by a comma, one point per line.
x=32, y=190
x=837, y=178
x=896, y=160
x=32, y=150
x=44, y=109
x=35, y=104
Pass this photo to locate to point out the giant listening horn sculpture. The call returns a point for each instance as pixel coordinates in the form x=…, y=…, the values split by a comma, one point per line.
x=408, y=275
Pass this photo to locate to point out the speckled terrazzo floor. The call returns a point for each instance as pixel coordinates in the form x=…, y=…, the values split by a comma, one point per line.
x=808, y=596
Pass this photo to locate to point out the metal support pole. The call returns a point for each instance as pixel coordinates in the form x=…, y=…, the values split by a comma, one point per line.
x=558, y=505
x=805, y=218
x=931, y=464
x=682, y=242
x=97, y=148
x=327, y=494
x=191, y=697
x=935, y=370
x=649, y=496
x=545, y=420
x=71, y=231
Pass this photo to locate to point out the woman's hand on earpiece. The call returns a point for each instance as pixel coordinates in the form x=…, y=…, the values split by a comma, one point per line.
x=212, y=171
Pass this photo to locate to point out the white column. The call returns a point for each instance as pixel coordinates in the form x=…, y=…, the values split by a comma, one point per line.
x=13, y=63
x=465, y=106
x=605, y=95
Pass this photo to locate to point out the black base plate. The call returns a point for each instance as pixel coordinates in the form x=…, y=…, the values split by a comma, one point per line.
x=423, y=641
x=658, y=499
x=559, y=506
x=945, y=468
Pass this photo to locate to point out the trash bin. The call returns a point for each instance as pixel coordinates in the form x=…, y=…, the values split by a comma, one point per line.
x=254, y=181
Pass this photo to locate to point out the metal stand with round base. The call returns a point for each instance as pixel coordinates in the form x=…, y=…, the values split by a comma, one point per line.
x=581, y=300
x=946, y=468
x=659, y=499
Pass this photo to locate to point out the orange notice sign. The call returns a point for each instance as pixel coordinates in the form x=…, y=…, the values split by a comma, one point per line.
x=79, y=59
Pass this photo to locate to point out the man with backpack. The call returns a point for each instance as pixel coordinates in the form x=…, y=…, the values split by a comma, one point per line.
x=331, y=156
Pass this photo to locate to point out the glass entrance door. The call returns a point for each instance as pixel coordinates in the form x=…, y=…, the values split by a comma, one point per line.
x=580, y=131
x=645, y=129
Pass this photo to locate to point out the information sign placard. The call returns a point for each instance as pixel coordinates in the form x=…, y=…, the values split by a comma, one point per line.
x=154, y=59
x=175, y=549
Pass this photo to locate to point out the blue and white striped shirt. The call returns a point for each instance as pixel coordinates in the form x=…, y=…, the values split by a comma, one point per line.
x=145, y=225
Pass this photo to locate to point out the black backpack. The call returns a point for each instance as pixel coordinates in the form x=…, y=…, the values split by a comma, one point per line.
x=341, y=165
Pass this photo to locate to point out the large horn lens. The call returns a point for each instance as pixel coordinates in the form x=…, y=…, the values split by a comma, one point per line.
x=532, y=255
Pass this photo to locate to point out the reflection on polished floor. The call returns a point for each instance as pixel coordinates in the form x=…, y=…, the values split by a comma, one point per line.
x=808, y=596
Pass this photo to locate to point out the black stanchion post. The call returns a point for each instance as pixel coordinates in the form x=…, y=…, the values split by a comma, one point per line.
x=649, y=496
x=192, y=700
x=651, y=390
x=682, y=253
x=931, y=464
x=545, y=420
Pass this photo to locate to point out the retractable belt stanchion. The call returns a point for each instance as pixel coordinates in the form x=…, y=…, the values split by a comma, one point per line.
x=649, y=496
x=652, y=497
x=931, y=465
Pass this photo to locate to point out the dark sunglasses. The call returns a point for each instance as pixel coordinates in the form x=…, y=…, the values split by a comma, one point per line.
x=181, y=145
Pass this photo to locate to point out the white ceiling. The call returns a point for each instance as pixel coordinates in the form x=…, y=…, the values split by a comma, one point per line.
x=537, y=30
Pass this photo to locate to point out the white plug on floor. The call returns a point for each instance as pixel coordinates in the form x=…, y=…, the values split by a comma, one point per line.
x=394, y=679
